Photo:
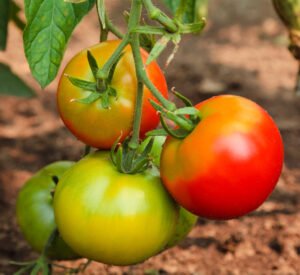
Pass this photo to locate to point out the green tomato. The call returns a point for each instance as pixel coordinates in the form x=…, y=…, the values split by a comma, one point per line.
x=35, y=213
x=184, y=225
x=111, y=217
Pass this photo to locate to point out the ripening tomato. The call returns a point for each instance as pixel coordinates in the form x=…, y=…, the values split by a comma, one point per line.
x=111, y=217
x=93, y=124
x=229, y=164
x=35, y=213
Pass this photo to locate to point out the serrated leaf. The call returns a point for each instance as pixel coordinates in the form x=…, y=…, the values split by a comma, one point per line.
x=14, y=15
x=83, y=84
x=188, y=11
x=159, y=46
x=11, y=84
x=4, y=17
x=89, y=99
x=50, y=24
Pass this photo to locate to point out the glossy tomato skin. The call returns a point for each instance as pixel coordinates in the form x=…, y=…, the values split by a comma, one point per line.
x=229, y=164
x=111, y=217
x=91, y=123
x=35, y=213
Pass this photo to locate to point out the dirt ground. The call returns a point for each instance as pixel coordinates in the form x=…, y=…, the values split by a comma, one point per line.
x=242, y=51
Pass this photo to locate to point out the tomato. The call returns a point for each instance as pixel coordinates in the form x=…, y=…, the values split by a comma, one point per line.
x=35, y=213
x=186, y=220
x=229, y=164
x=91, y=123
x=111, y=217
x=185, y=223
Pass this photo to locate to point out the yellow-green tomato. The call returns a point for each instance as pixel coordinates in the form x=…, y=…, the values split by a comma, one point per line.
x=111, y=217
x=35, y=213
x=185, y=223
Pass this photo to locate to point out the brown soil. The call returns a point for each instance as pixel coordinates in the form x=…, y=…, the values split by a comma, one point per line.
x=243, y=51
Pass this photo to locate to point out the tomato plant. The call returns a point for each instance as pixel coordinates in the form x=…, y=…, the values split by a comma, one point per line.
x=229, y=164
x=94, y=124
x=112, y=217
x=35, y=213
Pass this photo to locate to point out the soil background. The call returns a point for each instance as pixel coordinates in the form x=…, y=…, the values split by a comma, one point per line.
x=242, y=51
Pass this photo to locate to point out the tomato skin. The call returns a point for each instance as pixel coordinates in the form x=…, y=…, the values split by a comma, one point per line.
x=186, y=220
x=229, y=164
x=111, y=217
x=35, y=213
x=94, y=125
x=185, y=224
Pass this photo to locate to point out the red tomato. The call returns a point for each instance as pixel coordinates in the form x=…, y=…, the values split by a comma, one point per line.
x=229, y=164
x=91, y=123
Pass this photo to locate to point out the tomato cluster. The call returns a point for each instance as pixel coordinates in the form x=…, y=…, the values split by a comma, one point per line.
x=224, y=168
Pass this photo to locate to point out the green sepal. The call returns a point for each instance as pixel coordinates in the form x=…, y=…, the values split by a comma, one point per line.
x=105, y=100
x=184, y=99
x=193, y=28
x=177, y=133
x=89, y=99
x=187, y=111
x=113, y=68
x=159, y=46
x=83, y=84
x=157, y=132
x=93, y=64
x=182, y=122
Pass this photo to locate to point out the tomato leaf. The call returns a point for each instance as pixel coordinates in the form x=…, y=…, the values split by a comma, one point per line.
x=188, y=11
x=89, y=99
x=14, y=11
x=50, y=24
x=4, y=17
x=83, y=84
x=10, y=84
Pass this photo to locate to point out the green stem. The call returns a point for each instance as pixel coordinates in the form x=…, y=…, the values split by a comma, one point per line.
x=143, y=75
x=134, y=19
x=113, y=28
x=157, y=15
x=104, y=72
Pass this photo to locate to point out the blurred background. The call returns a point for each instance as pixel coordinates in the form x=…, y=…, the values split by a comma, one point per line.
x=242, y=51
